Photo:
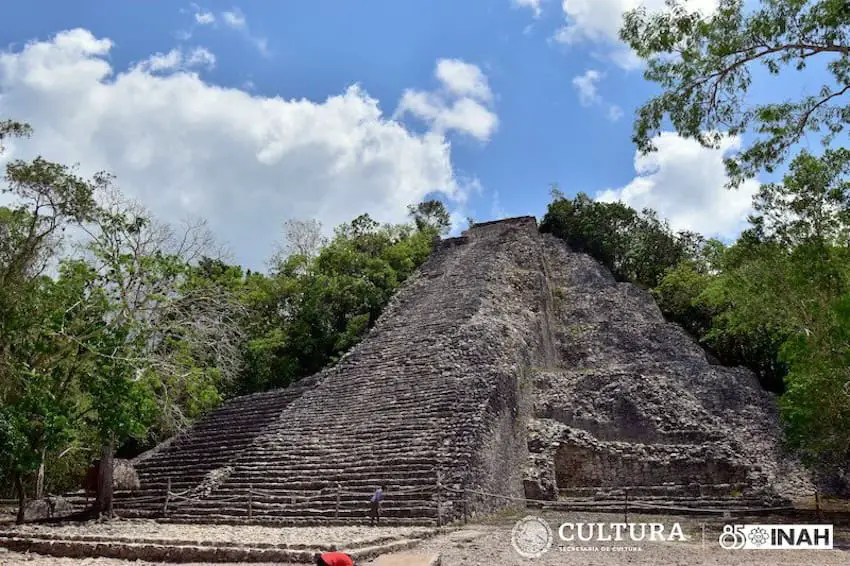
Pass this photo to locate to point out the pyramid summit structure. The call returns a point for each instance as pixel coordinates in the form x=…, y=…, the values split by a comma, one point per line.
x=508, y=365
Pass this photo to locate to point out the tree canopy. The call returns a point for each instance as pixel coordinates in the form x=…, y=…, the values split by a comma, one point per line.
x=705, y=66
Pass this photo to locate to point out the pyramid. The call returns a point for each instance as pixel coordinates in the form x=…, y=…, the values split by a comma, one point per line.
x=507, y=367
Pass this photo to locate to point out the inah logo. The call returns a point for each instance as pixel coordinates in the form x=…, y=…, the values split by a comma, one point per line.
x=758, y=536
x=770, y=537
x=531, y=537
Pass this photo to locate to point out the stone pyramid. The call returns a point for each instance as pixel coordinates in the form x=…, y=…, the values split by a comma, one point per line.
x=507, y=365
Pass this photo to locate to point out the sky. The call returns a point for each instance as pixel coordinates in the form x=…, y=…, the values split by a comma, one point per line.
x=253, y=113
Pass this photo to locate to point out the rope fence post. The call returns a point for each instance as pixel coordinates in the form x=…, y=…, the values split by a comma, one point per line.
x=627, y=507
x=338, y=494
x=439, y=499
x=167, y=496
x=250, y=501
x=465, y=505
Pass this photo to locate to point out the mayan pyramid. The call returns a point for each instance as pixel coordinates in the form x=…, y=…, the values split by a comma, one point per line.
x=506, y=365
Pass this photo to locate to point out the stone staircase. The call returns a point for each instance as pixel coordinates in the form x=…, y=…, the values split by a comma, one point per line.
x=431, y=394
x=183, y=462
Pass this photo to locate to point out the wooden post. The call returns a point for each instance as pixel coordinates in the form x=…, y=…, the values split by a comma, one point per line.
x=439, y=499
x=465, y=505
x=250, y=501
x=627, y=506
x=167, y=497
x=338, y=492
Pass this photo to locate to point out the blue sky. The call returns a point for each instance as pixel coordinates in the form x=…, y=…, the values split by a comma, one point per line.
x=246, y=114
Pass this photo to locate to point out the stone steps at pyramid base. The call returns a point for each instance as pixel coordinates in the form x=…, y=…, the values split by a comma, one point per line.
x=693, y=490
x=278, y=502
x=362, y=480
x=316, y=510
x=222, y=519
x=673, y=507
x=284, y=463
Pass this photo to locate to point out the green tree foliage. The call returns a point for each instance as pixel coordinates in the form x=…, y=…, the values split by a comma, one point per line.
x=430, y=215
x=776, y=301
x=705, y=65
x=315, y=307
x=636, y=247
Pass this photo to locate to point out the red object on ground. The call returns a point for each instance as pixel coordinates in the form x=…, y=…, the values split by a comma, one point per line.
x=337, y=559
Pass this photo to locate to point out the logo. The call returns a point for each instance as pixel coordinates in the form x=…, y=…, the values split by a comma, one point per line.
x=531, y=537
x=775, y=537
x=758, y=536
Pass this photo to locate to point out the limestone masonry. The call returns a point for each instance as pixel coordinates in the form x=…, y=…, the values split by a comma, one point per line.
x=509, y=365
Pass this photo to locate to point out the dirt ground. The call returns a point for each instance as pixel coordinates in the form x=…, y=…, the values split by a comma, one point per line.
x=489, y=543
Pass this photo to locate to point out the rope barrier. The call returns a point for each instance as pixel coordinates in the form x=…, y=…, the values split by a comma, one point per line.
x=634, y=504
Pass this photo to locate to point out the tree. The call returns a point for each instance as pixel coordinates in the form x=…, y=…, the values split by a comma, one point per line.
x=704, y=64
x=310, y=310
x=35, y=369
x=636, y=247
x=170, y=338
x=811, y=205
x=430, y=215
x=301, y=238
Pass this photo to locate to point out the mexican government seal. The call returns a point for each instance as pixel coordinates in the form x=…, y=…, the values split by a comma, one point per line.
x=531, y=537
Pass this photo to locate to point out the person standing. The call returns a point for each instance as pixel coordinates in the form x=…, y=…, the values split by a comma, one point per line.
x=375, y=505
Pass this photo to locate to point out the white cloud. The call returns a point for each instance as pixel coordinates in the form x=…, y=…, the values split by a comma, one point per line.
x=614, y=112
x=235, y=19
x=460, y=105
x=534, y=5
x=176, y=60
x=201, y=18
x=463, y=79
x=205, y=18
x=599, y=21
x=585, y=85
x=200, y=56
x=185, y=147
x=684, y=182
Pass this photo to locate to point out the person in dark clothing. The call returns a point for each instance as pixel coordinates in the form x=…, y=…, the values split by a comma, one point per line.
x=375, y=505
x=334, y=559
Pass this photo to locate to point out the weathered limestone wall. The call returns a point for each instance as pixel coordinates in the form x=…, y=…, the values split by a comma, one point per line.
x=634, y=401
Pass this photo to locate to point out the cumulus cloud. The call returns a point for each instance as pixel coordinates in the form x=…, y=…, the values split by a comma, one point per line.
x=204, y=18
x=184, y=147
x=585, y=85
x=462, y=103
x=684, y=182
x=599, y=21
x=176, y=59
x=534, y=5
x=463, y=79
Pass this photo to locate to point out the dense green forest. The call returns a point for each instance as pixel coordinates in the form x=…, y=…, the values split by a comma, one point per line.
x=117, y=329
